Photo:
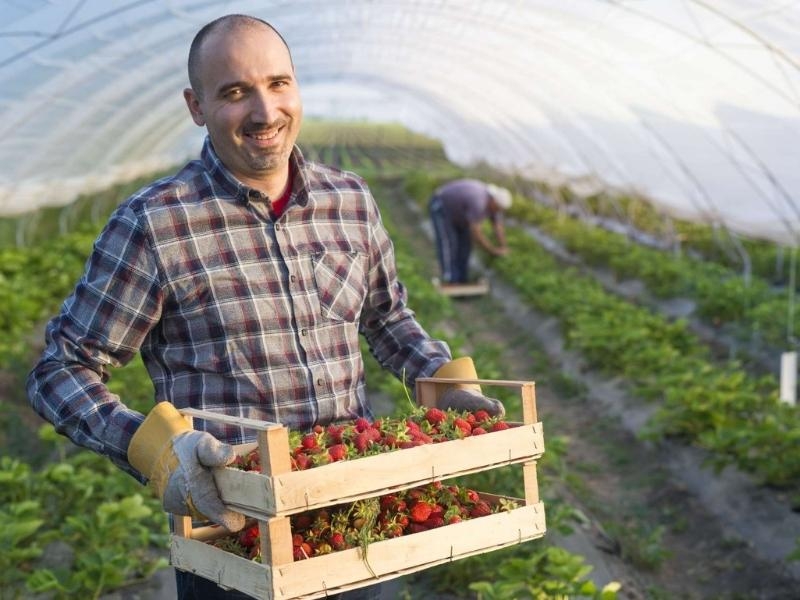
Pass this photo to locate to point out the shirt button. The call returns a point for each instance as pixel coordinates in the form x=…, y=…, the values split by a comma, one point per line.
x=304, y=332
x=292, y=278
x=319, y=382
x=277, y=226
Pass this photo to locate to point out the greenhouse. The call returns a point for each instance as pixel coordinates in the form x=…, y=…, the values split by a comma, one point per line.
x=634, y=255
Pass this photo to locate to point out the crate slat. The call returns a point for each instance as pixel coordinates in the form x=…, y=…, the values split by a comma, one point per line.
x=259, y=495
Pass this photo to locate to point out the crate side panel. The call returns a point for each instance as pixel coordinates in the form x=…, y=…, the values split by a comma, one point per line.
x=389, y=558
x=349, y=480
x=227, y=569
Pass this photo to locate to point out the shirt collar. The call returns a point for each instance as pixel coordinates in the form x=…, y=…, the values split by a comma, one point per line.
x=241, y=192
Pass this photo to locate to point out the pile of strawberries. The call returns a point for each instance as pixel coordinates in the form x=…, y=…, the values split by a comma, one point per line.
x=342, y=441
x=360, y=523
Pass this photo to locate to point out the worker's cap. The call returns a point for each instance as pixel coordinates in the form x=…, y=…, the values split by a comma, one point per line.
x=501, y=195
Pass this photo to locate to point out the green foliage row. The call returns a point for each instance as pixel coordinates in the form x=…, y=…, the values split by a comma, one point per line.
x=712, y=242
x=721, y=295
x=719, y=407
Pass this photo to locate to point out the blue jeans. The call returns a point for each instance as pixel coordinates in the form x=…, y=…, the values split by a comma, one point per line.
x=194, y=587
x=453, y=244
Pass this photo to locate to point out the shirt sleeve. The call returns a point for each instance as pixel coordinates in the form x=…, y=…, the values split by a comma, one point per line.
x=394, y=336
x=102, y=324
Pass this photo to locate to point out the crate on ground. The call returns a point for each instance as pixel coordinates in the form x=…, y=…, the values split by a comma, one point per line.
x=462, y=290
x=277, y=492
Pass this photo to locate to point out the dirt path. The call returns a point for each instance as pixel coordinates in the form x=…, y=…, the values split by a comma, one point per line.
x=646, y=525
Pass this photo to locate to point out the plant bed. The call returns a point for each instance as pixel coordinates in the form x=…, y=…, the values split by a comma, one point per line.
x=276, y=493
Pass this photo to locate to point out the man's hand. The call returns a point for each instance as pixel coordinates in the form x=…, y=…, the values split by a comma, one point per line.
x=190, y=487
x=471, y=400
x=465, y=396
x=178, y=461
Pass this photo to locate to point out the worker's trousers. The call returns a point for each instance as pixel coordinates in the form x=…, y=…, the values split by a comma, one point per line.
x=453, y=244
x=194, y=587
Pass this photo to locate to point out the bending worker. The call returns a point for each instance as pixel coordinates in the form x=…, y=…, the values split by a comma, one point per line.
x=244, y=280
x=458, y=210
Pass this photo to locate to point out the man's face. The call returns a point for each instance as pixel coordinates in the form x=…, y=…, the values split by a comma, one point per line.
x=250, y=102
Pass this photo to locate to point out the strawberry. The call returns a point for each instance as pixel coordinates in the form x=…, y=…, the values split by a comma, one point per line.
x=301, y=462
x=334, y=433
x=337, y=452
x=309, y=441
x=362, y=424
x=481, y=416
x=249, y=537
x=500, y=426
x=337, y=541
x=420, y=512
x=302, y=520
x=463, y=426
x=481, y=509
x=416, y=528
x=435, y=416
x=362, y=441
x=478, y=430
x=433, y=522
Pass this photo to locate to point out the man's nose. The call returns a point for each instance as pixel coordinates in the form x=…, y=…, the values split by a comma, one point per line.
x=261, y=107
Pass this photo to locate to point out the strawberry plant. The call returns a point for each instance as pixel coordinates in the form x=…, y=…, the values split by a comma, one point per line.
x=360, y=523
x=362, y=437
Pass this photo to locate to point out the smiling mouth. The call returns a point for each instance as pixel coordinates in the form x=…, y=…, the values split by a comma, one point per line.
x=263, y=136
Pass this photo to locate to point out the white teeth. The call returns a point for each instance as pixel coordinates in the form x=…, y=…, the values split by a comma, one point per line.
x=267, y=136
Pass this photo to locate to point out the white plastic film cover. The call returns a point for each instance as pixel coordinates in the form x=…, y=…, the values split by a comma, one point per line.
x=693, y=103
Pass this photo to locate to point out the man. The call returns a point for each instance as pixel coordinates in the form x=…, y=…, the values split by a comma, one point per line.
x=244, y=280
x=458, y=210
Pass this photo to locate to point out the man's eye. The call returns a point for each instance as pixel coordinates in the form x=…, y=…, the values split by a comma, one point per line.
x=234, y=94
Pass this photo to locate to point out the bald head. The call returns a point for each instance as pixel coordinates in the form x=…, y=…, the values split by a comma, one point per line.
x=229, y=24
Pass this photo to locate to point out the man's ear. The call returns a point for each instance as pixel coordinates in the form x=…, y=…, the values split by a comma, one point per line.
x=193, y=103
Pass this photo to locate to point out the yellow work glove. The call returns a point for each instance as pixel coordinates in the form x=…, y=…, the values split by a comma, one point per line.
x=465, y=396
x=178, y=461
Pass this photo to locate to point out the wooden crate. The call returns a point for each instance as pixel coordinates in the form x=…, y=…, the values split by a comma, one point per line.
x=460, y=290
x=277, y=492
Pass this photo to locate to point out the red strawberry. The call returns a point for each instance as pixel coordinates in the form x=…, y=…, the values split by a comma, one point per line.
x=302, y=520
x=337, y=541
x=433, y=522
x=388, y=501
x=301, y=462
x=481, y=509
x=337, y=452
x=500, y=426
x=309, y=441
x=420, y=512
x=482, y=416
x=434, y=416
x=362, y=424
x=462, y=425
x=335, y=433
x=416, y=528
x=362, y=441
x=249, y=537
x=478, y=431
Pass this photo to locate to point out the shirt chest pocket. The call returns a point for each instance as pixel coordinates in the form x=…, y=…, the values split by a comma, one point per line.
x=341, y=284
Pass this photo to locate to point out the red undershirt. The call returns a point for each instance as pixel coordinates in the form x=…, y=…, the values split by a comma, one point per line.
x=279, y=204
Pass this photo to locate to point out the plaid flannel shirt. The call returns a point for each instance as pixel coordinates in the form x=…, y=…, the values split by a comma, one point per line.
x=232, y=311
